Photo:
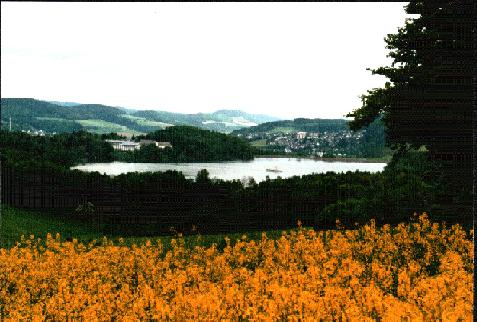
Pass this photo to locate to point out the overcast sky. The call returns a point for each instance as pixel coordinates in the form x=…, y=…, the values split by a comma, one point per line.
x=283, y=59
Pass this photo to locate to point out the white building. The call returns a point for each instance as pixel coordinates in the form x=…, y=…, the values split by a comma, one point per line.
x=163, y=145
x=300, y=135
x=121, y=145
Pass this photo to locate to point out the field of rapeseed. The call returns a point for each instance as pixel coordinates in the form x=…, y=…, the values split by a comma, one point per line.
x=420, y=271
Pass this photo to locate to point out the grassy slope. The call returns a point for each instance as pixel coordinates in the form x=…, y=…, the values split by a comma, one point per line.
x=100, y=126
x=17, y=222
x=284, y=129
x=259, y=143
x=146, y=122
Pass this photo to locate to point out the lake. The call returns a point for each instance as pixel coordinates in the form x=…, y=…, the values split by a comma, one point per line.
x=257, y=168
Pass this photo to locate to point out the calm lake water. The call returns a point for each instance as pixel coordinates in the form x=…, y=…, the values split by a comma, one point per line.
x=257, y=168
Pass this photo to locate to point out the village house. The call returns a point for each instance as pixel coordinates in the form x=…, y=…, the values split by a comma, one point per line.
x=35, y=133
x=300, y=135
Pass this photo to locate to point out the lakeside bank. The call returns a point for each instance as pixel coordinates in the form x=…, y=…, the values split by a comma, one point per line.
x=337, y=159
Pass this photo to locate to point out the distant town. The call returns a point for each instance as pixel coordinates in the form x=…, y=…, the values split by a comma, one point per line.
x=320, y=144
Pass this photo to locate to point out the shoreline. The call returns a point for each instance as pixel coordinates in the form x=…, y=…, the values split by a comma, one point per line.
x=337, y=159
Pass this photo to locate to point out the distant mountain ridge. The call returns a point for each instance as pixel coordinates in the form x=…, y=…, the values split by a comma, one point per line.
x=258, y=118
x=64, y=103
x=297, y=125
x=54, y=116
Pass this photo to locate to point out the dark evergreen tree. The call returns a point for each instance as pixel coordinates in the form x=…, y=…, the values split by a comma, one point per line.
x=202, y=176
x=428, y=98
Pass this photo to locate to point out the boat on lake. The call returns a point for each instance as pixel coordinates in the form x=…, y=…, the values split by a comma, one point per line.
x=274, y=170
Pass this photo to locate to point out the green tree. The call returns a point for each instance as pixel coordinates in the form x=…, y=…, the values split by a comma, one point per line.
x=428, y=98
x=430, y=82
x=202, y=176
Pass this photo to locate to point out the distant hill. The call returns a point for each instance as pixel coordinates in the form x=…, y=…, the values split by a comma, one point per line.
x=224, y=121
x=32, y=114
x=64, y=103
x=297, y=125
x=257, y=118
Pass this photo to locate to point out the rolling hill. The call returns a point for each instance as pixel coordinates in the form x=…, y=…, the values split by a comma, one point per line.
x=297, y=125
x=32, y=114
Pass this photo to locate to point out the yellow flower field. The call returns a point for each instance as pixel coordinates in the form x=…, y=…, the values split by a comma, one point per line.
x=410, y=272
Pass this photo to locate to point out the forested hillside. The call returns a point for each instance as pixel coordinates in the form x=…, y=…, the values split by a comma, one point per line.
x=61, y=150
x=224, y=121
x=31, y=114
x=190, y=144
x=34, y=115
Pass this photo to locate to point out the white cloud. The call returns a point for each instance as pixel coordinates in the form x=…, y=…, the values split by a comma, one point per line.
x=284, y=59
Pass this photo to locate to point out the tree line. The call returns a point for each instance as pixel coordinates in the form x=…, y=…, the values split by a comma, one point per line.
x=136, y=203
x=189, y=144
x=62, y=150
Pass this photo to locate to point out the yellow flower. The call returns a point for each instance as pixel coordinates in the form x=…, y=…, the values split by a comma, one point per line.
x=408, y=272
